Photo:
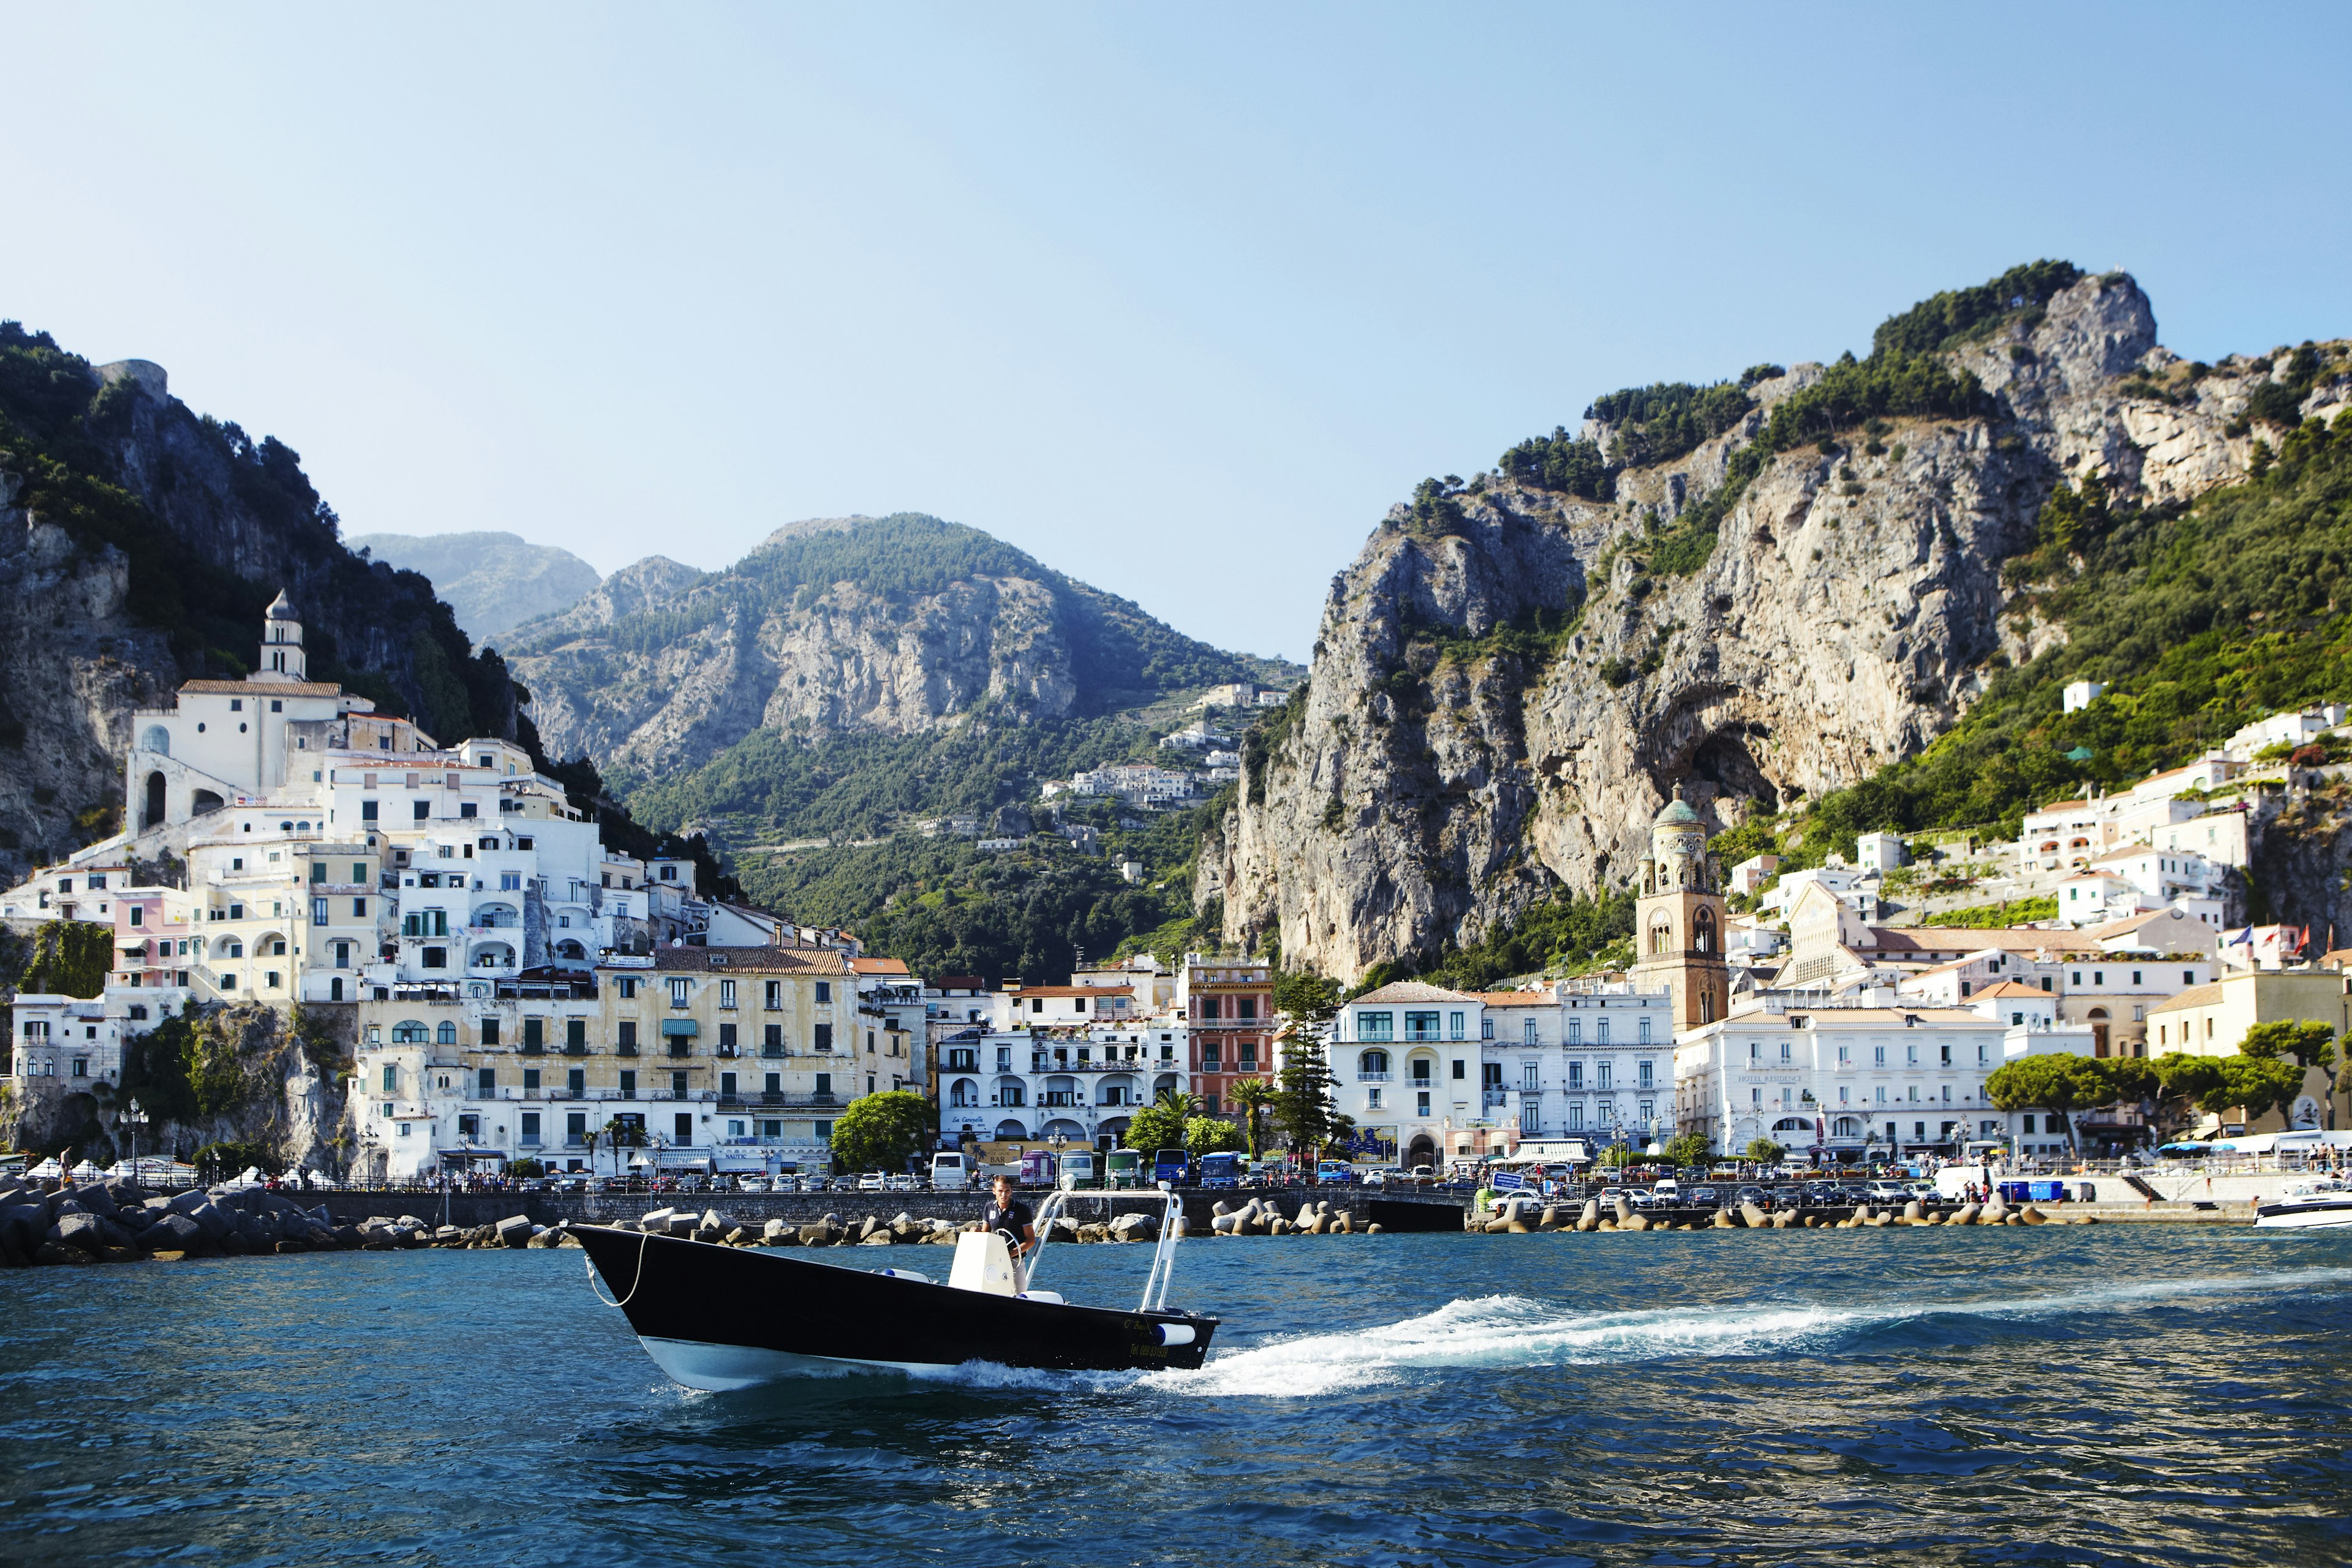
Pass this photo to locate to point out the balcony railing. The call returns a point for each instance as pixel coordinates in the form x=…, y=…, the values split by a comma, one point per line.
x=1373, y=1077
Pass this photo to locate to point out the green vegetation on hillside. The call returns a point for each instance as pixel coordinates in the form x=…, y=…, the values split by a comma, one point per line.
x=863, y=784
x=949, y=909
x=1566, y=934
x=2198, y=621
x=1943, y=319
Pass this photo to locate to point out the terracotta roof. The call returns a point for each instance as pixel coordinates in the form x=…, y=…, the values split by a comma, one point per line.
x=1514, y=998
x=1411, y=991
x=2195, y=996
x=2013, y=989
x=263, y=687
x=1066, y=991
x=879, y=965
x=2057, y=805
x=721, y=960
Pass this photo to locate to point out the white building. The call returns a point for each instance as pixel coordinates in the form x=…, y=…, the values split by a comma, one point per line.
x=1841, y=1080
x=2294, y=728
x=2133, y=880
x=1078, y=1081
x=2081, y=694
x=1445, y=1074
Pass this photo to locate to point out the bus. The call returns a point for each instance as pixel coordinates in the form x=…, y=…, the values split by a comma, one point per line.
x=1036, y=1168
x=951, y=1173
x=1170, y=1165
x=1079, y=1169
x=1123, y=1168
x=1221, y=1170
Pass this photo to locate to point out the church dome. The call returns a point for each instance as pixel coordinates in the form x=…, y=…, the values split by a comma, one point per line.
x=1678, y=812
x=281, y=608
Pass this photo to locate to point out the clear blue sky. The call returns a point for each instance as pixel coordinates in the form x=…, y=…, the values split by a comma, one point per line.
x=1179, y=298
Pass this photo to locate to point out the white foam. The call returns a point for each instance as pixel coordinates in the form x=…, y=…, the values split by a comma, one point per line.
x=1514, y=1331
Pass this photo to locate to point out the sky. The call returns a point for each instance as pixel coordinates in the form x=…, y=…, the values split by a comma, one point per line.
x=1178, y=298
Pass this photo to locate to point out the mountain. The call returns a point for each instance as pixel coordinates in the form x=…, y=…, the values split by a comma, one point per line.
x=1774, y=589
x=139, y=543
x=857, y=635
x=494, y=581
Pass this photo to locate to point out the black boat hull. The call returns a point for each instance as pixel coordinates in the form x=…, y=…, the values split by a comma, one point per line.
x=723, y=1317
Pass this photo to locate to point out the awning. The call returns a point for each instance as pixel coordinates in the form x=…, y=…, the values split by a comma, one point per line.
x=680, y=1027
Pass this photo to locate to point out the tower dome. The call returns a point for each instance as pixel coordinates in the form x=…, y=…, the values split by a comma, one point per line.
x=1677, y=810
x=283, y=657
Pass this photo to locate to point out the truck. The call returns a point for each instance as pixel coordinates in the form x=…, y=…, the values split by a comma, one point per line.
x=1170, y=1165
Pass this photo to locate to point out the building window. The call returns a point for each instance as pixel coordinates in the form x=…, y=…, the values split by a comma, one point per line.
x=1375, y=1025
x=1454, y=1026
x=825, y=991
x=775, y=997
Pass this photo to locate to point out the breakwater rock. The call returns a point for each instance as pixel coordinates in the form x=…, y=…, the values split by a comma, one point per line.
x=116, y=1221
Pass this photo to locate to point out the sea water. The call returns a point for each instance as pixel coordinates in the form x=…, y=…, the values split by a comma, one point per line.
x=2117, y=1395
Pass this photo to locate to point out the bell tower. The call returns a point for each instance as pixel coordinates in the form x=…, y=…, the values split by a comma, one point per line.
x=1679, y=922
x=282, y=644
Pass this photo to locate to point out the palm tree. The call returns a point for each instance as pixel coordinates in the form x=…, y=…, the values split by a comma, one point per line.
x=1252, y=1095
x=1185, y=1106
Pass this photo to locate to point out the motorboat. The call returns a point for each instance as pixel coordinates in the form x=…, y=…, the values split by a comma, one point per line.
x=718, y=1317
x=2310, y=1206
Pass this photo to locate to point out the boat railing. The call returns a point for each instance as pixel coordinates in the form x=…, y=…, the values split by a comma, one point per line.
x=1163, y=1256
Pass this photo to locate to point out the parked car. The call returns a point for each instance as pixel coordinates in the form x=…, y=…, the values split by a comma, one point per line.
x=1886, y=1193
x=1757, y=1195
x=870, y=1183
x=1707, y=1197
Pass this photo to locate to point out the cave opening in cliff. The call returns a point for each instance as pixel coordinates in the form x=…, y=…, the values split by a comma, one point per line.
x=1724, y=762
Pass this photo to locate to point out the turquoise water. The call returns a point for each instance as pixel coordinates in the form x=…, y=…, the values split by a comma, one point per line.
x=2112, y=1395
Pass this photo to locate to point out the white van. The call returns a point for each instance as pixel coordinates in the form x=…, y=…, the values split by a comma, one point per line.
x=951, y=1173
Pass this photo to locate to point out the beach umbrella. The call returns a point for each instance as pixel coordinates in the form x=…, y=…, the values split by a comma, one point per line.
x=47, y=1170
x=87, y=1172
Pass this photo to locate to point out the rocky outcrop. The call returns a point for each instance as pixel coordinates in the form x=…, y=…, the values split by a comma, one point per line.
x=1498, y=705
x=894, y=626
x=77, y=664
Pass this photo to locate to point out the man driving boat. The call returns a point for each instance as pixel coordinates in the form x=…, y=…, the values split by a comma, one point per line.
x=1010, y=1217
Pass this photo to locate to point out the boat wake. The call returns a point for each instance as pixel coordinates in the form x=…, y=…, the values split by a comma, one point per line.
x=1514, y=1332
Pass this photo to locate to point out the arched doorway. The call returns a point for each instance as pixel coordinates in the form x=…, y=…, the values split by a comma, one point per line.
x=203, y=802
x=1422, y=1150
x=2099, y=1031
x=152, y=814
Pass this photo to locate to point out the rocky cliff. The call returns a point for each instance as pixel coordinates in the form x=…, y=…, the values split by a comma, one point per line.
x=1510, y=677
x=889, y=625
x=139, y=545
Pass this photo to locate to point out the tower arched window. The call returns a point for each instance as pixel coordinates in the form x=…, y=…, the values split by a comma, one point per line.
x=1661, y=938
x=1702, y=931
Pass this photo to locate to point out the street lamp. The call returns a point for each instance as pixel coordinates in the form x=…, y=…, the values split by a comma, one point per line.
x=134, y=1118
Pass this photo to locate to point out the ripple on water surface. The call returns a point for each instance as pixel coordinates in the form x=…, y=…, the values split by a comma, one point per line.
x=2118, y=1394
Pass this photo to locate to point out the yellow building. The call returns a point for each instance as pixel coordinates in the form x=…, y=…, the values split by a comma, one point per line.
x=2212, y=1020
x=709, y=1058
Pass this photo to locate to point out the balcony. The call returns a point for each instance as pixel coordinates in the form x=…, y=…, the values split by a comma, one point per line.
x=1379, y=1077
